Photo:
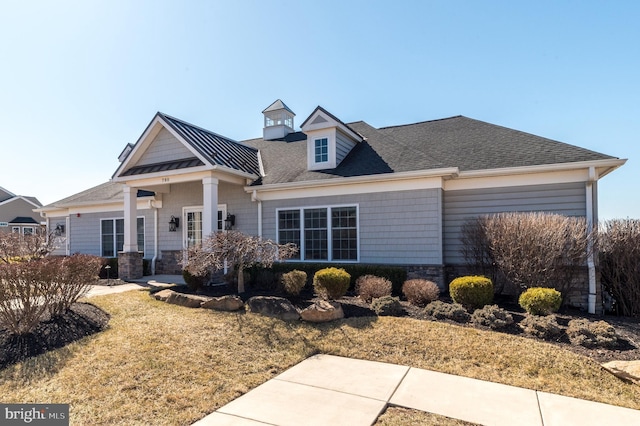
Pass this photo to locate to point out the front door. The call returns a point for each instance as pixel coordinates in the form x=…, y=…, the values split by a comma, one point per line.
x=192, y=217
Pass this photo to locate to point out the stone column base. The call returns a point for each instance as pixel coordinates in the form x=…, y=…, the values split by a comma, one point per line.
x=130, y=265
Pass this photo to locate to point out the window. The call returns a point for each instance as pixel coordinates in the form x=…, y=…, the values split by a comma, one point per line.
x=28, y=230
x=326, y=233
x=193, y=223
x=112, y=236
x=15, y=229
x=321, y=150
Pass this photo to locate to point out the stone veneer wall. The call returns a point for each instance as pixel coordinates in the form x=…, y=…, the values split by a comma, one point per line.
x=169, y=263
x=130, y=265
x=433, y=273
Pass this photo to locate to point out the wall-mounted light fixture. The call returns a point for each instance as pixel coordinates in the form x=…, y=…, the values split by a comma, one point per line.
x=230, y=221
x=59, y=229
x=174, y=224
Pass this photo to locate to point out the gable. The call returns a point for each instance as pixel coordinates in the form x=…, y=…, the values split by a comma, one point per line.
x=17, y=207
x=164, y=147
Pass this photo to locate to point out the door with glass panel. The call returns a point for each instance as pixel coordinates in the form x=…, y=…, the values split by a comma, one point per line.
x=193, y=224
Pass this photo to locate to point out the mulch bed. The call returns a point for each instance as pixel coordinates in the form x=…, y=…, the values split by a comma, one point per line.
x=83, y=319
x=627, y=328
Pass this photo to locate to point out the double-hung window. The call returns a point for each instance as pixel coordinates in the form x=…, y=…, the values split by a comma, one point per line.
x=112, y=236
x=321, y=233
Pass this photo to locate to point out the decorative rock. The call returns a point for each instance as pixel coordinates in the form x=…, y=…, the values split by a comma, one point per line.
x=163, y=295
x=186, y=300
x=322, y=311
x=224, y=303
x=277, y=307
x=626, y=370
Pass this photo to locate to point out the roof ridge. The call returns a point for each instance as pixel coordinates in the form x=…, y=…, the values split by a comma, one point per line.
x=422, y=122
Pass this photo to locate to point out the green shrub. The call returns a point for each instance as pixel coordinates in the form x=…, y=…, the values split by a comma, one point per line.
x=540, y=301
x=452, y=311
x=387, y=306
x=370, y=287
x=492, y=316
x=293, y=282
x=592, y=334
x=331, y=283
x=195, y=282
x=472, y=291
x=420, y=292
x=545, y=327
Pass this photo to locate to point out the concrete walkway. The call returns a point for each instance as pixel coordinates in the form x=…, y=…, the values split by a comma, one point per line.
x=331, y=390
x=144, y=282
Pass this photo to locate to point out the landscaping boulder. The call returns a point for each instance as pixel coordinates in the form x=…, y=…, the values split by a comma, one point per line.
x=322, y=311
x=626, y=370
x=186, y=300
x=224, y=303
x=163, y=295
x=277, y=307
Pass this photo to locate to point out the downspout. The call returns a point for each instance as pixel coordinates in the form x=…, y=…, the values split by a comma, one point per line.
x=254, y=198
x=590, y=226
x=155, y=237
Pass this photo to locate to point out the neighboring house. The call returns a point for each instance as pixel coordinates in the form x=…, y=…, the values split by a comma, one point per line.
x=16, y=213
x=344, y=192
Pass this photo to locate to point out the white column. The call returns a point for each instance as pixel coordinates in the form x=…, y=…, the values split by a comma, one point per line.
x=210, y=206
x=130, y=214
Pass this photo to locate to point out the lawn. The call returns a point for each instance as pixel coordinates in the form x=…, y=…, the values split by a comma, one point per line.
x=164, y=364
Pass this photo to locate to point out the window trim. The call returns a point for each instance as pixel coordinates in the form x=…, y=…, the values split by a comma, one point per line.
x=301, y=248
x=321, y=155
x=187, y=209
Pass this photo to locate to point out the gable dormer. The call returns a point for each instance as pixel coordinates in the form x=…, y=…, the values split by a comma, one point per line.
x=278, y=121
x=329, y=140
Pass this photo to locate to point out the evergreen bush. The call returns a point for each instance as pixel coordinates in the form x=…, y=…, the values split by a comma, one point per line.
x=331, y=283
x=472, y=292
x=492, y=316
x=540, y=301
x=293, y=282
x=387, y=306
x=452, y=311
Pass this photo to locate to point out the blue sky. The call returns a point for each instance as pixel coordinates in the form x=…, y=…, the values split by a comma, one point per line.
x=81, y=79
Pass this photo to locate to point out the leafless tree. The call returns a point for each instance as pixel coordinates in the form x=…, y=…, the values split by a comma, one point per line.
x=239, y=250
x=15, y=246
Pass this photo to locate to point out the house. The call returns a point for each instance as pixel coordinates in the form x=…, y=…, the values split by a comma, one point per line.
x=16, y=213
x=343, y=192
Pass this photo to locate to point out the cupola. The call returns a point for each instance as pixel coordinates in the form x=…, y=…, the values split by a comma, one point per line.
x=278, y=121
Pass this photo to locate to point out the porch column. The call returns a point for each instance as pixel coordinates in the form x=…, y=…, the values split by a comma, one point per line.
x=210, y=206
x=130, y=213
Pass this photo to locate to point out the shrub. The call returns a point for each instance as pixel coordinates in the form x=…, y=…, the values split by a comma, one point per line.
x=293, y=282
x=370, y=287
x=472, y=292
x=619, y=243
x=31, y=289
x=492, y=316
x=451, y=311
x=540, y=301
x=387, y=306
x=542, y=327
x=331, y=283
x=592, y=334
x=195, y=282
x=420, y=292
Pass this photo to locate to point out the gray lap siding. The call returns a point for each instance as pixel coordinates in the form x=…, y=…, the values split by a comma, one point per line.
x=400, y=227
x=567, y=199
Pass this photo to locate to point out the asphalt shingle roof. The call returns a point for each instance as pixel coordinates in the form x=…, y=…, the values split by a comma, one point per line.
x=105, y=192
x=451, y=142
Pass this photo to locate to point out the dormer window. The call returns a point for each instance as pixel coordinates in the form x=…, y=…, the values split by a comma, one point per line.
x=321, y=150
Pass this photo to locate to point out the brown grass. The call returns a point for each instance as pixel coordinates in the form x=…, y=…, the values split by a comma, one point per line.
x=164, y=364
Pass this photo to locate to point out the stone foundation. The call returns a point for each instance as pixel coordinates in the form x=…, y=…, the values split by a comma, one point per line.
x=130, y=265
x=433, y=273
x=169, y=263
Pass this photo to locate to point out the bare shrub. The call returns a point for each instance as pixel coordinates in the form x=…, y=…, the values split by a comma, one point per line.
x=492, y=316
x=592, y=334
x=370, y=287
x=15, y=246
x=619, y=243
x=238, y=250
x=31, y=289
x=477, y=253
x=542, y=327
x=539, y=249
x=442, y=310
x=420, y=292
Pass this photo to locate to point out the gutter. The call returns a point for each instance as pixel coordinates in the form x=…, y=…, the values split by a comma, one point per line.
x=155, y=237
x=254, y=198
x=591, y=266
